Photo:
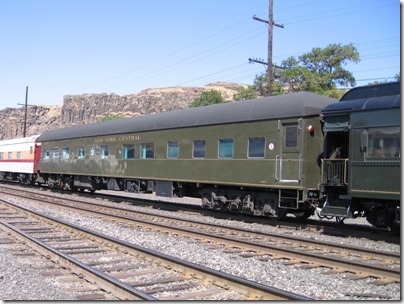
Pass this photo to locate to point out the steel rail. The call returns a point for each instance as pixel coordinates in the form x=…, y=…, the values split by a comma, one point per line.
x=122, y=290
x=294, y=223
x=252, y=290
x=352, y=249
x=359, y=268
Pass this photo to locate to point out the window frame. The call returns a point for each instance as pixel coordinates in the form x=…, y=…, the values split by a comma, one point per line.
x=173, y=152
x=81, y=153
x=126, y=151
x=64, y=154
x=294, y=138
x=92, y=151
x=146, y=152
x=221, y=152
x=46, y=154
x=379, y=136
x=199, y=150
x=263, y=150
x=55, y=153
x=104, y=151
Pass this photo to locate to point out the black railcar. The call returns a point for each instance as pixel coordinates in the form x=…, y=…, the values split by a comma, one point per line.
x=361, y=160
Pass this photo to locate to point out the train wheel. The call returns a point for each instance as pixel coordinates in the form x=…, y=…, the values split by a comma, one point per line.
x=271, y=208
x=304, y=215
x=207, y=201
x=280, y=214
x=275, y=213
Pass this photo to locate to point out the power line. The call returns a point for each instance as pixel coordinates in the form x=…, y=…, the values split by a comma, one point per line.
x=182, y=62
x=176, y=66
x=324, y=15
x=169, y=55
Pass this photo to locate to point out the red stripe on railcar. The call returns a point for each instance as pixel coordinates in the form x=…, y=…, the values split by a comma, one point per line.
x=16, y=160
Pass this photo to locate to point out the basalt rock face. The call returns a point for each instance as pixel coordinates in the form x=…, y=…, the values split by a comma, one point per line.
x=39, y=119
x=90, y=108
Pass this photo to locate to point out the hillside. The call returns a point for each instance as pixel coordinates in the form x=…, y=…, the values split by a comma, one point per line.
x=89, y=108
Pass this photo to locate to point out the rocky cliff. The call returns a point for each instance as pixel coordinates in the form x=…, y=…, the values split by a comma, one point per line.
x=39, y=119
x=89, y=108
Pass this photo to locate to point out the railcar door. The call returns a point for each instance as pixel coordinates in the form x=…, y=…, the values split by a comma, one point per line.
x=289, y=159
x=37, y=157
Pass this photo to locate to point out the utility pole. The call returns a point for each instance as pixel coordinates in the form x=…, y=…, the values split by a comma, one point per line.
x=270, y=30
x=25, y=114
x=271, y=24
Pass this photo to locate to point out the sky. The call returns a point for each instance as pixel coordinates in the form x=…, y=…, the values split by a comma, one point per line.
x=70, y=47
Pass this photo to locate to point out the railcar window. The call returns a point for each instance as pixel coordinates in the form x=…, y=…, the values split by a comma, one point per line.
x=81, y=153
x=55, y=153
x=18, y=155
x=226, y=148
x=46, y=154
x=173, y=149
x=65, y=153
x=31, y=149
x=92, y=151
x=256, y=147
x=291, y=137
x=146, y=150
x=199, y=149
x=10, y=155
x=104, y=151
x=128, y=151
x=1, y=155
x=383, y=143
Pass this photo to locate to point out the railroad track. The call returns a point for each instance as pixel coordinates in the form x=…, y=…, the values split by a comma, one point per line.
x=312, y=225
x=358, y=262
x=123, y=270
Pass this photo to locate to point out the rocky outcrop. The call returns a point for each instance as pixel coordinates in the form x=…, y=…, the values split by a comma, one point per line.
x=90, y=108
x=39, y=119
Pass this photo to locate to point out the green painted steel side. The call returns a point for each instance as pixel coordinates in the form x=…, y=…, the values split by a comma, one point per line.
x=373, y=178
x=282, y=167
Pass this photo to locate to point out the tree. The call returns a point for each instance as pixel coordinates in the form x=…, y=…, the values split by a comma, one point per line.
x=322, y=70
x=260, y=85
x=111, y=117
x=318, y=71
x=207, y=98
x=397, y=77
x=245, y=93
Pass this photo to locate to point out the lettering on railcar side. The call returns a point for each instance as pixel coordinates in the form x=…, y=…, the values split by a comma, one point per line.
x=122, y=138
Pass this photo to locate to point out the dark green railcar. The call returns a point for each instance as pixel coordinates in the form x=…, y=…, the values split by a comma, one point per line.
x=361, y=166
x=257, y=156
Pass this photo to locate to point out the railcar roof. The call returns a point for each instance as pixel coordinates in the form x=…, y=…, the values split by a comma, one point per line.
x=376, y=90
x=364, y=104
x=21, y=140
x=299, y=104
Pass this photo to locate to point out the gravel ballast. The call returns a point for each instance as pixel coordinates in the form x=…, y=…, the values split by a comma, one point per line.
x=19, y=281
